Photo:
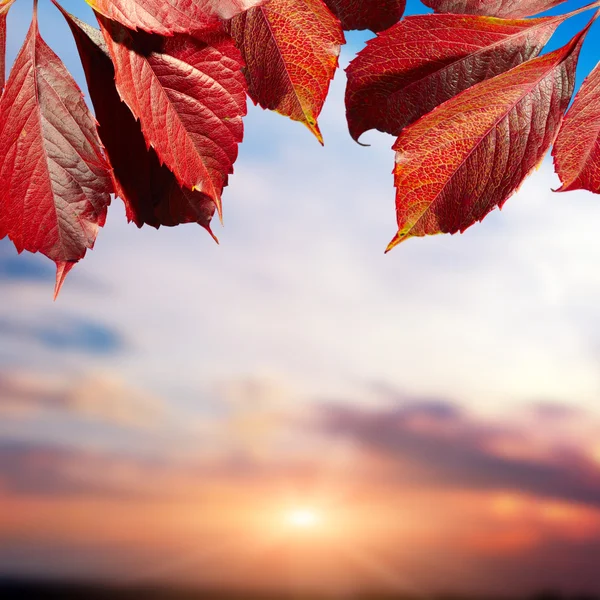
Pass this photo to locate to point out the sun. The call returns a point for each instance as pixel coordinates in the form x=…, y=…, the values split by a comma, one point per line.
x=303, y=518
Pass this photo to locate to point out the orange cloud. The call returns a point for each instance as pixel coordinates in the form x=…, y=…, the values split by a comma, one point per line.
x=96, y=397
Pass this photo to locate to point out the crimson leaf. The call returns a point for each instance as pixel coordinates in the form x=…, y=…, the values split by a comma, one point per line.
x=56, y=183
x=424, y=60
x=459, y=162
x=190, y=96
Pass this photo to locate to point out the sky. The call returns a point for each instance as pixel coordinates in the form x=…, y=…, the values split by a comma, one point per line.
x=294, y=409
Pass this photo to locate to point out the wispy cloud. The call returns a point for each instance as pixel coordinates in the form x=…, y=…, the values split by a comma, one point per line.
x=96, y=397
x=438, y=444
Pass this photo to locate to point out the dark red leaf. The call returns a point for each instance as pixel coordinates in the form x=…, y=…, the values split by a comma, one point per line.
x=291, y=49
x=456, y=164
x=424, y=60
x=577, y=148
x=171, y=16
x=507, y=9
x=4, y=6
x=375, y=15
x=189, y=95
x=55, y=182
x=150, y=191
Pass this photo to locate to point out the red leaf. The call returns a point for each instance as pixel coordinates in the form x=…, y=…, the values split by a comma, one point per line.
x=4, y=6
x=150, y=191
x=171, y=16
x=291, y=49
x=456, y=164
x=56, y=183
x=190, y=96
x=507, y=9
x=424, y=60
x=577, y=148
x=375, y=15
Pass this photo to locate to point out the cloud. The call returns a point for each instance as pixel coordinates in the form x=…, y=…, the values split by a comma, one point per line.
x=23, y=268
x=96, y=397
x=44, y=469
x=66, y=333
x=262, y=429
x=437, y=444
x=29, y=469
x=50, y=470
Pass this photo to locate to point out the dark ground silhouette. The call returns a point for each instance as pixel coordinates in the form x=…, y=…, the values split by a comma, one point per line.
x=13, y=589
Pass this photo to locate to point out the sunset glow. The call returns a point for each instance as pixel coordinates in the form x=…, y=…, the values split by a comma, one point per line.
x=303, y=518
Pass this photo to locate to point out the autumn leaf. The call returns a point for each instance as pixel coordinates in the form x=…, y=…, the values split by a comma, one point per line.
x=456, y=164
x=171, y=16
x=424, y=60
x=56, y=183
x=577, y=148
x=375, y=15
x=150, y=191
x=189, y=95
x=291, y=50
x=507, y=9
x=4, y=7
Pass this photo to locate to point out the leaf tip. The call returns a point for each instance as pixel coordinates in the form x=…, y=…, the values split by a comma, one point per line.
x=313, y=126
x=398, y=239
x=62, y=270
x=212, y=235
x=571, y=186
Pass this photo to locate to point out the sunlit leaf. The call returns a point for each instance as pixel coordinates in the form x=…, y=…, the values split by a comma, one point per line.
x=291, y=49
x=459, y=162
x=189, y=95
x=56, y=183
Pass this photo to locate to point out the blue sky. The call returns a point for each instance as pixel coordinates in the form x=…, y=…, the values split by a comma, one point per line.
x=166, y=347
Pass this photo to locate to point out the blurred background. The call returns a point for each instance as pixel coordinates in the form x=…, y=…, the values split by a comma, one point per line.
x=292, y=413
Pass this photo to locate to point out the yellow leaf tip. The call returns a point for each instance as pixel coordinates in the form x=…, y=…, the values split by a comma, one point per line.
x=398, y=239
x=313, y=126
